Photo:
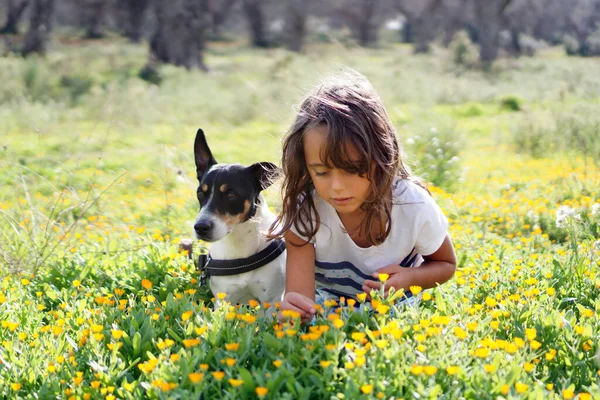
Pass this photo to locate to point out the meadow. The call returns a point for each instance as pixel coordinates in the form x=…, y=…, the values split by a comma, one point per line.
x=98, y=187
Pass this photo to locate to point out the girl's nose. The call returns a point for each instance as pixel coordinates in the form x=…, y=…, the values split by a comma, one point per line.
x=337, y=183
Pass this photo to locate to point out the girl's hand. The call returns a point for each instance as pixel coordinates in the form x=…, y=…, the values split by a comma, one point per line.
x=295, y=301
x=399, y=278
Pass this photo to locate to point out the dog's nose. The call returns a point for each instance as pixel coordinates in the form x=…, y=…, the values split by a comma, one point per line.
x=203, y=227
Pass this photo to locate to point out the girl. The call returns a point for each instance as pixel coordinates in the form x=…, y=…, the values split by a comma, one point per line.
x=351, y=209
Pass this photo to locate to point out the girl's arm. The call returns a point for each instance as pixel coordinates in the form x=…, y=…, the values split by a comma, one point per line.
x=436, y=269
x=300, y=277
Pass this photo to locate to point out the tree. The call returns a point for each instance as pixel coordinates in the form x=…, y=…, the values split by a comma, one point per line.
x=420, y=22
x=92, y=16
x=16, y=8
x=360, y=16
x=490, y=19
x=135, y=14
x=181, y=27
x=40, y=26
x=220, y=10
x=255, y=14
x=295, y=23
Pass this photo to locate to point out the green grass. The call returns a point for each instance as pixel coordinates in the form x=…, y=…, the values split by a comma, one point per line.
x=98, y=187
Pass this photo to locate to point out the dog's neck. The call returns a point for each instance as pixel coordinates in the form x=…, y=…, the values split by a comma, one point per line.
x=246, y=238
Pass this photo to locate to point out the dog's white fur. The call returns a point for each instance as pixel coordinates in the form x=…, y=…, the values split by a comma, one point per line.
x=265, y=284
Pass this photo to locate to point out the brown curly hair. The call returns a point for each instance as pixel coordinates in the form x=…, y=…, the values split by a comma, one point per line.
x=353, y=114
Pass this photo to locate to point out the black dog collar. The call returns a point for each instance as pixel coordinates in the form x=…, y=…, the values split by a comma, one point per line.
x=209, y=266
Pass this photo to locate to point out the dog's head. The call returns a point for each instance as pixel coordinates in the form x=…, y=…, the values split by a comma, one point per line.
x=228, y=193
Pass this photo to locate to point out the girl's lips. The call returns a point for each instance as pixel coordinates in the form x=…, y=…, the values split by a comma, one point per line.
x=342, y=200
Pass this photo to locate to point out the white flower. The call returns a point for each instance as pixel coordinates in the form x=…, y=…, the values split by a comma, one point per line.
x=596, y=209
x=563, y=214
x=410, y=141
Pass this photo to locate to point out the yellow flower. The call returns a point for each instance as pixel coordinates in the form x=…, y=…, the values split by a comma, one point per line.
x=221, y=296
x=232, y=346
x=16, y=386
x=416, y=290
x=460, y=333
x=366, y=389
x=528, y=367
x=338, y=323
x=186, y=315
x=235, y=382
x=490, y=368
x=117, y=333
x=505, y=389
x=191, y=342
x=195, y=377
x=146, y=284
x=416, y=369
x=430, y=369
x=95, y=384
x=383, y=277
x=452, y=370
x=218, y=375
x=261, y=391
x=230, y=361
x=482, y=352
x=200, y=331
x=521, y=387
x=324, y=363
x=277, y=363
x=587, y=313
x=426, y=296
x=568, y=394
x=361, y=297
x=76, y=283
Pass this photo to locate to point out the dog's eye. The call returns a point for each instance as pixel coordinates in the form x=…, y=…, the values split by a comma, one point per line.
x=231, y=196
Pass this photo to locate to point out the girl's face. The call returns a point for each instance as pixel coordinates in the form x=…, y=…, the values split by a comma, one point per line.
x=345, y=191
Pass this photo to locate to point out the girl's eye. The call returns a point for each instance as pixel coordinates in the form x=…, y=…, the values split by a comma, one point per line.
x=200, y=195
x=317, y=173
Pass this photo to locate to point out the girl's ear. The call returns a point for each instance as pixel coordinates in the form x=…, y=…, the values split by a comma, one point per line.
x=202, y=155
x=264, y=174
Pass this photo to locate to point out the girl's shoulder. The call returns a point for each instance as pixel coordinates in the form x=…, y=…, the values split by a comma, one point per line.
x=406, y=191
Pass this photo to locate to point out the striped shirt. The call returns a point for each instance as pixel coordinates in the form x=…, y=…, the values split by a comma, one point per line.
x=341, y=267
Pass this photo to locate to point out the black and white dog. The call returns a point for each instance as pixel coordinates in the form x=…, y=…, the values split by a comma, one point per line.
x=234, y=216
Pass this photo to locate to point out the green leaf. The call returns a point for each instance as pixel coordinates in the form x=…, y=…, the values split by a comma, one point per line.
x=272, y=343
x=137, y=340
x=247, y=378
x=174, y=335
x=439, y=301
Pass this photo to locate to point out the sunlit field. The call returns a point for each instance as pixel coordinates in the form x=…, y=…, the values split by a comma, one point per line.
x=98, y=187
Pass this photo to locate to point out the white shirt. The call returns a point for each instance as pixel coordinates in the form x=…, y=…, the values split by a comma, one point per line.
x=418, y=229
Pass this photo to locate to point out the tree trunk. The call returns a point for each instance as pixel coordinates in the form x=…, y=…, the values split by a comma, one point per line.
x=359, y=16
x=136, y=14
x=16, y=9
x=367, y=32
x=180, y=32
x=219, y=15
x=93, y=12
x=256, y=22
x=407, y=32
x=40, y=26
x=425, y=26
x=490, y=19
x=296, y=14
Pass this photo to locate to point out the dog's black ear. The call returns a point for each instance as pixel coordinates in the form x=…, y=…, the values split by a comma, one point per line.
x=264, y=173
x=202, y=155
